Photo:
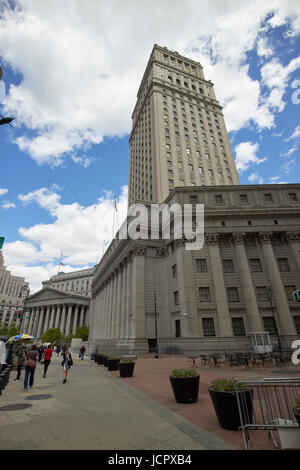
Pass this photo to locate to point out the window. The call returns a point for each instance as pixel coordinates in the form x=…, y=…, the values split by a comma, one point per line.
x=204, y=294
x=224, y=242
x=293, y=197
x=200, y=170
x=210, y=172
x=176, y=298
x=268, y=197
x=250, y=242
x=262, y=294
x=233, y=294
x=193, y=199
x=269, y=325
x=177, y=329
x=227, y=266
x=289, y=292
x=283, y=264
x=255, y=265
x=208, y=327
x=201, y=265
x=297, y=324
x=277, y=240
x=243, y=198
x=174, y=270
x=190, y=167
x=238, y=327
x=219, y=199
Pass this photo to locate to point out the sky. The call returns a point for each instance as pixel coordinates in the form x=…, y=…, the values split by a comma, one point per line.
x=71, y=71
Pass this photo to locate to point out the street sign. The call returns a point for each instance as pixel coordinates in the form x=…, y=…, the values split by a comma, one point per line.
x=296, y=295
x=1, y=242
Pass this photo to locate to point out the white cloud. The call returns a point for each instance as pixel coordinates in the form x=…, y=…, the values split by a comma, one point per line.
x=91, y=59
x=294, y=135
x=79, y=232
x=246, y=155
x=3, y=191
x=255, y=178
x=8, y=205
x=83, y=161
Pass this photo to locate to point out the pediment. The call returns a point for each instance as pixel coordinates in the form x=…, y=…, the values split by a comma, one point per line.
x=50, y=294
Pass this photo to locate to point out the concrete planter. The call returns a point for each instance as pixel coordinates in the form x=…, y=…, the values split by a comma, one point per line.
x=185, y=389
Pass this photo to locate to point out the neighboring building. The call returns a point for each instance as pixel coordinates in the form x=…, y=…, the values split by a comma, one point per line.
x=13, y=292
x=213, y=298
x=62, y=303
x=178, y=137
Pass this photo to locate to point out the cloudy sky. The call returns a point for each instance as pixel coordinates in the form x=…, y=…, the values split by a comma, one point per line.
x=71, y=74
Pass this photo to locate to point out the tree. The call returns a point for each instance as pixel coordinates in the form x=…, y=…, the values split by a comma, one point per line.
x=9, y=331
x=51, y=336
x=82, y=332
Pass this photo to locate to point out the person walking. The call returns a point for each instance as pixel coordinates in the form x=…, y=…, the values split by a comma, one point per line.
x=19, y=359
x=81, y=352
x=32, y=357
x=67, y=362
x=47, y=359
x=57, y=350
x=40, y=352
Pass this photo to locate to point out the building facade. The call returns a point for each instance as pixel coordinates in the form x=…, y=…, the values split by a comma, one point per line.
x=208, y=299
x=62, y=303
x=13, y=292
x=178, y=137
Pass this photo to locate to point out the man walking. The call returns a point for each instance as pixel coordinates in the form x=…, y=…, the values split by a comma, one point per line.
x=81, y=352
x=47, y=359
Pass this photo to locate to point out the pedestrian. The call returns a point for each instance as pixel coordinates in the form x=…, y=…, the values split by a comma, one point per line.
x=47, y=359
x=40, y=351
x=32, y=357
x=67, y=362
x=57, y=350
x=81, y=352
x=19, y=360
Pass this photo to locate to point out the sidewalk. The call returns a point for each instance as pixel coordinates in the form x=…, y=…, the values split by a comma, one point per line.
x=94, y=410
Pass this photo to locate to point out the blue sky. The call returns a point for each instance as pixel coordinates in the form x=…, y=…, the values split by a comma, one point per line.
x=72, y=72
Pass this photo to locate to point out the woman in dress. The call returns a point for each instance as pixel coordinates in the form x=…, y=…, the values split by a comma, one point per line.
x=67, y=362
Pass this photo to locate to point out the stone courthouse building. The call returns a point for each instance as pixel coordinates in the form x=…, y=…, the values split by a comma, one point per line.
x=242, y=280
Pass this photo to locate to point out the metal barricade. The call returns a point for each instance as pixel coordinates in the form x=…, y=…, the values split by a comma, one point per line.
x=270, y=407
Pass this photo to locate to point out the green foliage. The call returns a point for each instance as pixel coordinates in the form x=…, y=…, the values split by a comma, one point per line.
x=114, y=358
x=82, y=332
x=126, y=361
x=9, y=331
x=183, y=373
x=51, y=336
x=225, y=385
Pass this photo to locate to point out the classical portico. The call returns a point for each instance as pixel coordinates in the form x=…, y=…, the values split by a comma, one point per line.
x=52, y=308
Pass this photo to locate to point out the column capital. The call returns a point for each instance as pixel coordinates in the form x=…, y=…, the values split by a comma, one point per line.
x=139, y=250
x=161, y=252
x=212, y=238
x=238, y=238
x=264, y=237
x=292, y=237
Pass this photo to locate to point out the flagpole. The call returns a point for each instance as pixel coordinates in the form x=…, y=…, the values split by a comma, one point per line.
x=59, y=263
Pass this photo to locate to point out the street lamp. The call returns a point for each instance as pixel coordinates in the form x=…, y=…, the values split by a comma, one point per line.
x=269, y=292
x=155, y=317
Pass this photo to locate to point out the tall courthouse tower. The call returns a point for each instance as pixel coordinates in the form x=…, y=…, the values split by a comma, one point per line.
x=178, y=137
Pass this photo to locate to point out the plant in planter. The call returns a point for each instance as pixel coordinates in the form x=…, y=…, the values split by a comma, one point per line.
x=185, y=385
x=112, y=362
x=223, y=395
x=126, y=367
x=296, y=410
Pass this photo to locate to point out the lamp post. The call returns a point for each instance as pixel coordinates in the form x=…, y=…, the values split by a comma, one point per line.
x=24, y=288
x=269, y=291
x=155, y=317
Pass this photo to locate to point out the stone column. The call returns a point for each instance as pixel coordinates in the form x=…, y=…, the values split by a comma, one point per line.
x=119, y=304
x=128, y=310
x=63, y=319
x=106, y=307
x=75, y=319
x=252, y=310
x=11, y=316
x=47, y=319
x=285, y=322
x=68, y=325
x=187, y=290
x=51, y=322
x=57, y=319
x=29, y=324
x=123, y=302
x=40, y=323
x=103, y=311
x=224, y=319
x=109, y=304
x=138, y=291
x=114, y=305
x=81, y=315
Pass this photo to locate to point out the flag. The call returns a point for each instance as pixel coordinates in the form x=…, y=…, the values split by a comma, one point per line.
x=1, y=242
x=62, y=264
x=116, y=203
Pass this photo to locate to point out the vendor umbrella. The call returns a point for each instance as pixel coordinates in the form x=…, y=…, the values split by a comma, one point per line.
x=22, y=337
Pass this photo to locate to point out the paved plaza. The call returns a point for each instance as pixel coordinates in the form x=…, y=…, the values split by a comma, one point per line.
x=97, y=410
